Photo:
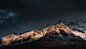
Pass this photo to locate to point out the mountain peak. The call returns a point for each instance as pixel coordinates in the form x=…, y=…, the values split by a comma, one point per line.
x=36, y=34
x=61, y=23
x=49, y=25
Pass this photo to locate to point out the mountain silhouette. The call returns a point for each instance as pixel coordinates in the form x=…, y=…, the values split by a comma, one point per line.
x=69, y=37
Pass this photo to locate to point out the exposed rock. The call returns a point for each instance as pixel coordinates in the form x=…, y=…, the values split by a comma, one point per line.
x=36, y=34
x=49, y=25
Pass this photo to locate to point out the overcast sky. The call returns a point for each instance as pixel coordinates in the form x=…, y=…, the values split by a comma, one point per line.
x=19, y=16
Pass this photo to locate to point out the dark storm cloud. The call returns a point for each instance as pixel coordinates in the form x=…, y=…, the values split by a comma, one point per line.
x=43, y=7
x=36, y=14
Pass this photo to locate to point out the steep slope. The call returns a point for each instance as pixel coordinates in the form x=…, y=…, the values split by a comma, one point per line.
x=36, y=34
x=51, y=40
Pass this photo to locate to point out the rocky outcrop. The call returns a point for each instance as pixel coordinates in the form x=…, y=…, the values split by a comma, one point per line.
x=36, y=34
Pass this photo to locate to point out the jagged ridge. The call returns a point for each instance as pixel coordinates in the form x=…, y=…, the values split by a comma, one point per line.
x=36, y=34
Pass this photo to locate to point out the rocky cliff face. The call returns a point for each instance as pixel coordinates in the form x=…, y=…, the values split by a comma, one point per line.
x=60, y=29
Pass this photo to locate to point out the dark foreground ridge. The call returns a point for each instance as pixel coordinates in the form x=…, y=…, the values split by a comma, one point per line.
x=52, y=43
x=50, y=40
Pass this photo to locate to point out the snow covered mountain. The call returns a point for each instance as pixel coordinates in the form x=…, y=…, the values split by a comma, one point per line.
x=63, y=37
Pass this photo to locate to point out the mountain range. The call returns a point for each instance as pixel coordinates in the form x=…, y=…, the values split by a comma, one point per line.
x=71, y=35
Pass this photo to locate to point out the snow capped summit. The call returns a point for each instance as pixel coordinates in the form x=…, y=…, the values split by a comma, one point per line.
x=62, y=32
